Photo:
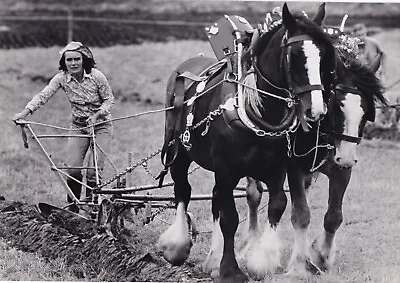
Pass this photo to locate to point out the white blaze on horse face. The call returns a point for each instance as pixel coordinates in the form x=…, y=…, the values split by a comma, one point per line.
x=346, y=152
x=313, y=60
x=353, y=113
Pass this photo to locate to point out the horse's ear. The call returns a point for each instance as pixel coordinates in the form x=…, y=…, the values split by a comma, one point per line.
x=287, y=19
x=319, y=17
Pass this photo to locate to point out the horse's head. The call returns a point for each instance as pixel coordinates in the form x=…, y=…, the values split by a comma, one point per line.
x=298, y=58
x=356, y=89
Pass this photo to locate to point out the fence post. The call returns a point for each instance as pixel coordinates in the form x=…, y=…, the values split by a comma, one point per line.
x=129, y=180
x=70, y=25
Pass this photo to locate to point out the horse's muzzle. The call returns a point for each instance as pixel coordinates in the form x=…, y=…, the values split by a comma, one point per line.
x=310, y=117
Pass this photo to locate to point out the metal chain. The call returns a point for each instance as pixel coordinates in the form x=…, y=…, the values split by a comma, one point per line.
x=209, y=117
x=130, y=169
x=161, y=210
x=289, y=146
x=146, y=168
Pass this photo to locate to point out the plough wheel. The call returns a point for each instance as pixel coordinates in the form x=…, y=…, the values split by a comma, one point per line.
x=109, y=219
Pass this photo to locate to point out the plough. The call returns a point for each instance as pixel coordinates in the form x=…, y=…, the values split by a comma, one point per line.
x=111, y=198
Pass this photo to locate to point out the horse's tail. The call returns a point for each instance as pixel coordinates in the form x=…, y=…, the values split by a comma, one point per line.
x=175, y=97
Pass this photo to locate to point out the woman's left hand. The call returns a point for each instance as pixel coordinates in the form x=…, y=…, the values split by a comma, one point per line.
x=92, y=119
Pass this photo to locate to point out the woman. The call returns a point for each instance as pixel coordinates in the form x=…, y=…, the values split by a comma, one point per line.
x=91, y=98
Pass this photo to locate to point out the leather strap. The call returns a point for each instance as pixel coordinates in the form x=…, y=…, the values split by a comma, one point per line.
x=305, y=88
x=348, y=138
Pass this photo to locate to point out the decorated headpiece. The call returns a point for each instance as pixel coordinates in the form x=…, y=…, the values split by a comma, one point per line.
x=77, y=46
x=359, y=28
x=272, y=19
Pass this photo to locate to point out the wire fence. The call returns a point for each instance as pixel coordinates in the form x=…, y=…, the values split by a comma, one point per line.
x=18, y=31
x=48, y=28
x=45, y=31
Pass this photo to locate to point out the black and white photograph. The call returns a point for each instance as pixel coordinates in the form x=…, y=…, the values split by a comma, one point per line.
x=199, y=141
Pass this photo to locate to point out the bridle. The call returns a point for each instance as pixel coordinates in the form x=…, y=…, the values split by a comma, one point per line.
x=287, y=46
x=341, y=136
x=290, y=91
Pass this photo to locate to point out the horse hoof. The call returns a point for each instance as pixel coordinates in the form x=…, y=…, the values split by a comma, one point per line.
x=322, y=258
x=211, y=267
x=176, y=257
x=304, y=269
x=174, y=252
x=237, y=278
x=313, y=268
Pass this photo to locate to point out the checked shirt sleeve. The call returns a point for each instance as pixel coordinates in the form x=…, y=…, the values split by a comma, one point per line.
x=42, y=97
x=105, y=93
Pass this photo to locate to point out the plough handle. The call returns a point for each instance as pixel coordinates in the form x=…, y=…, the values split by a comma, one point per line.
x=22, y=124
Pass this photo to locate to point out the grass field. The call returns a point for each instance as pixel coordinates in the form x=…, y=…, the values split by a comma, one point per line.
x=367, y=242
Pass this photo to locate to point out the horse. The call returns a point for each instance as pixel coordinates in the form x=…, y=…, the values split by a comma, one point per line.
x=331, y=149
x=291, y=64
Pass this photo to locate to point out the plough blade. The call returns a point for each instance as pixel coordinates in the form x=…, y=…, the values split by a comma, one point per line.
x=47, y=210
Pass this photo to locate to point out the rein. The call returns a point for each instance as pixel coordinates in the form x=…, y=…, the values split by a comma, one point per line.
x=328, y=146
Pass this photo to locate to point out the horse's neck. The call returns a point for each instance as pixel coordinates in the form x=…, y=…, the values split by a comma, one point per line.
x=270, y=64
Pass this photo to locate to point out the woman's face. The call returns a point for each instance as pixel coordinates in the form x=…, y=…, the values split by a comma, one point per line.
x=73, y=62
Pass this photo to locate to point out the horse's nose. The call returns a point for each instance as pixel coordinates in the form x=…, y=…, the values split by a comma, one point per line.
x=313, y=118
x=345, y=163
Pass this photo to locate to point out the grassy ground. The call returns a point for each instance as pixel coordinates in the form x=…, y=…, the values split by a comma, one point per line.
x=19, y=266
x=367, y=241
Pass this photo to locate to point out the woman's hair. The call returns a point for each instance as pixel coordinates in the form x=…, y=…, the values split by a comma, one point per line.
x=87, y=63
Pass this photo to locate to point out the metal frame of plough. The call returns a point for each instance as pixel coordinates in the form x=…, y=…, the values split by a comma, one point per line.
x=122, y=197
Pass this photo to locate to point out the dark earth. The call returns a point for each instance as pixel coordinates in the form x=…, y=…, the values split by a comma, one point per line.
x=88, y=253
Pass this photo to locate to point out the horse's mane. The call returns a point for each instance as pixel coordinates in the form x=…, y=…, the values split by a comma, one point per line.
x=260, y=44
x=315, y=31
x=364, y=79
x=306, y=25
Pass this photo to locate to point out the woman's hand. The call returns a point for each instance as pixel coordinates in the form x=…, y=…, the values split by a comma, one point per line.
x=92, y=119
x=21, y=115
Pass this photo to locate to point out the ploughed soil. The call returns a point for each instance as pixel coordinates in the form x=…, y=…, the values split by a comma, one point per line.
x=88, y=252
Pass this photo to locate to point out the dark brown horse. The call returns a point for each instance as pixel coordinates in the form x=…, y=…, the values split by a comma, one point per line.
x=292, y=65
x=328, y=148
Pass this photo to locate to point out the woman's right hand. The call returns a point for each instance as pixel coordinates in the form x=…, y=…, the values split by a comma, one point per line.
x=21, y=115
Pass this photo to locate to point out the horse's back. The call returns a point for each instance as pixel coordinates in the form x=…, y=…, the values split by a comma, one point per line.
x=195, y=65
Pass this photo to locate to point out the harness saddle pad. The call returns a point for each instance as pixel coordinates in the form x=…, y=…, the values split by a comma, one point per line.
x=221, y=34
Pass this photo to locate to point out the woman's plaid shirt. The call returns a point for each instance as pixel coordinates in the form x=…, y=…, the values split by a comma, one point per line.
x=87, y=97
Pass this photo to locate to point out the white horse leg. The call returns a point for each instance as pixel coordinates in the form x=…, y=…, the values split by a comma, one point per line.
x=300, y=264
x=213, y=260
x=175, y=243
x=262, y=254
x=254, y=191
x=253, y=195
